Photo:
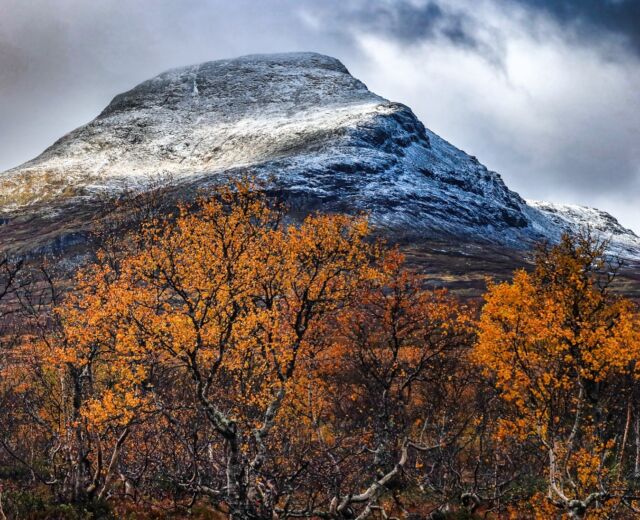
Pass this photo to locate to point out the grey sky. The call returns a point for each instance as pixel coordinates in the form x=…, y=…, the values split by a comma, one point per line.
x=544, y=92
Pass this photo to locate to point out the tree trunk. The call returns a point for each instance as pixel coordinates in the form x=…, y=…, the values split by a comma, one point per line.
x=236, y=492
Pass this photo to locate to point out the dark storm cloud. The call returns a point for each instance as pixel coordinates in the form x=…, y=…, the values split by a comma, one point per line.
x=594, y=18
x=410, y=23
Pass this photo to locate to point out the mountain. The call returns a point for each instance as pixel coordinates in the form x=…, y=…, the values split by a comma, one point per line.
x=571, y=218
x=317, y=135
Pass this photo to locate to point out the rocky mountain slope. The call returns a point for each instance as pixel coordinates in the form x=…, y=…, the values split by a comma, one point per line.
x=572, y=218
x=318, y=135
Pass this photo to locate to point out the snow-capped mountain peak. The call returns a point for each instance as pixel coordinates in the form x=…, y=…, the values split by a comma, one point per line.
x=299, y=119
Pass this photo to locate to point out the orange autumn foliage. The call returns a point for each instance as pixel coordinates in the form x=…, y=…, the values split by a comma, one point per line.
x=225, y=300
x=559, y=347
x=225, y=358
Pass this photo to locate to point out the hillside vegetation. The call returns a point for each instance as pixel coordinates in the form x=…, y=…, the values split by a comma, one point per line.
x=224, y=362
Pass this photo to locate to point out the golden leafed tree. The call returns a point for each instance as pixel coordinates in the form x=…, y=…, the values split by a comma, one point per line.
x=218, y=307
x=562, y=351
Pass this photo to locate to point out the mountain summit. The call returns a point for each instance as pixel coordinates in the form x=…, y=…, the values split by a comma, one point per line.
x=301, y=120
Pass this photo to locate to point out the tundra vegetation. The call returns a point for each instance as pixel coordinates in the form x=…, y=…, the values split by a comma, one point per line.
x=220, y=361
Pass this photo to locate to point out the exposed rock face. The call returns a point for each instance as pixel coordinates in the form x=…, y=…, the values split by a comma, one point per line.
x=301, y=120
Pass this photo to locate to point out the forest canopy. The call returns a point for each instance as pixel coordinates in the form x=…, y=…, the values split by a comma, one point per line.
x=224, y=361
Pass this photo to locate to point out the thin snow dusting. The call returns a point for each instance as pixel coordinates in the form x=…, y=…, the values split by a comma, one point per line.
x=572, y=218
x=301, y=121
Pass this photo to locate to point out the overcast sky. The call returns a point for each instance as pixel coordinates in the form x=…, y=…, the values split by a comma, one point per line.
x=545, y=92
